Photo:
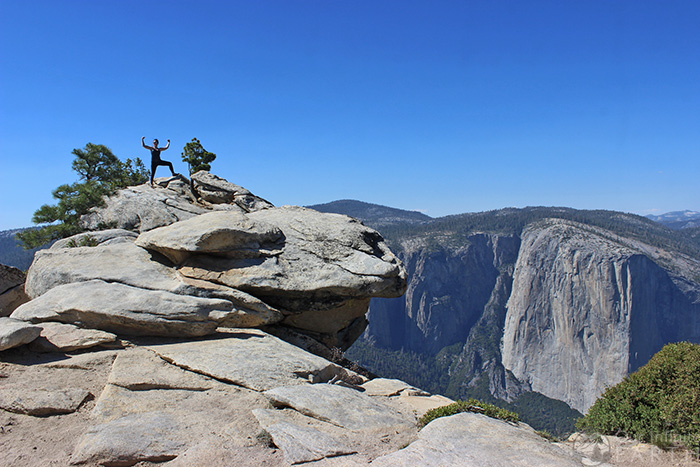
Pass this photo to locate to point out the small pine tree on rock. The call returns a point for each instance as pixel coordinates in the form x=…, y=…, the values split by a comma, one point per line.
x=197, y=157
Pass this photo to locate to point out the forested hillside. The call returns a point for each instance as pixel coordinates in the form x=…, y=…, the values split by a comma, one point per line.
x=11, y=252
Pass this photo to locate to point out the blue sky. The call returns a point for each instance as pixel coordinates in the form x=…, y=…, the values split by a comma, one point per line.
x=438, y=106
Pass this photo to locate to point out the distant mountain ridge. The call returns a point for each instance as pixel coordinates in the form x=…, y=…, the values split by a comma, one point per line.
x=678, y=219
x=11, y=251
x=373, y=215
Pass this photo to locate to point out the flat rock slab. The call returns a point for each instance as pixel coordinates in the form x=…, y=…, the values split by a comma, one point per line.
x=389, y=387
x=131, y=439
x=85, y=361
x=14, y=333
x=299, y=443
x=41, y=402
x=60, y=337
x=141, y=369
x=125, y=310
x=250, y=358
x=340, y=406
x=470, y=439
x=184, y=416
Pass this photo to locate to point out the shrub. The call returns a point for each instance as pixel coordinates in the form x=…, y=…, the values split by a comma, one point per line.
x=659, y=401
x=472, y=405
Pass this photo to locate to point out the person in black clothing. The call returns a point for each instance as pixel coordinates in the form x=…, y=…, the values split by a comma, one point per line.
x=155, y=157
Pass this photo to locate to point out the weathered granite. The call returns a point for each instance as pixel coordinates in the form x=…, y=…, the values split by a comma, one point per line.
x=12, y=292
x=15, y=332
x=142, y=208
x=217, y=190
x=340, y=406
x=60, y=337
x=223, y=233
x=140, y=369
x=124, y=310
x=134, y=438
x=477, y=440
x=299, y=443
x=99, y=237
x=41, y=402
x=228, y=358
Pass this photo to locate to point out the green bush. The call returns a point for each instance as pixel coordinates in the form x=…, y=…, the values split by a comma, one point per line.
x=472, y=405
x=660, y=401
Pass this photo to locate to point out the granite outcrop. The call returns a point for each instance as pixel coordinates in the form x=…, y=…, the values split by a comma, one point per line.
x=186, y=257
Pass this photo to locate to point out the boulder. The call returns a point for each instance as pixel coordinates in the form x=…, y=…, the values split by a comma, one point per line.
x=222, y=233
x=340, y=406
x=142, y=208
x=41, y=402
x=326, y=258
x=250, y=358
x=323, y=278
x=11, y=289
x=477, y=440
x=125, y=310
x=217, y=190
x=14, y=333
x=60, y=337
x=169, y=409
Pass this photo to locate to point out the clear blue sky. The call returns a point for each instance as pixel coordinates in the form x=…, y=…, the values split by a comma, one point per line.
x=439, y=106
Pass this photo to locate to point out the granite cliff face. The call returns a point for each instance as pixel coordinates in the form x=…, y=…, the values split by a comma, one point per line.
x=558, y=306
x=586, y=310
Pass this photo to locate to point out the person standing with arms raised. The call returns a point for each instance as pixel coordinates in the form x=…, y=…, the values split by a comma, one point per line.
x=155, y=157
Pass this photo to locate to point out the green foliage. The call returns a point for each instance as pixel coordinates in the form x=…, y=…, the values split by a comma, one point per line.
x=472, y=405
x=546, y=414
x=197, y=157
x=101, y=173
x=660, y=401
x=548, y=436
x=420, y=370
x=85, y=240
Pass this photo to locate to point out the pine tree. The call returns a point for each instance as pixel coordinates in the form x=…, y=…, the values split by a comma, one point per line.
x=101, y=173
x=197, y=157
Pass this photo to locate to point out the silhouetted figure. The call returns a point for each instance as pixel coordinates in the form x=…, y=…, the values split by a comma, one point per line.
x=155, y=157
